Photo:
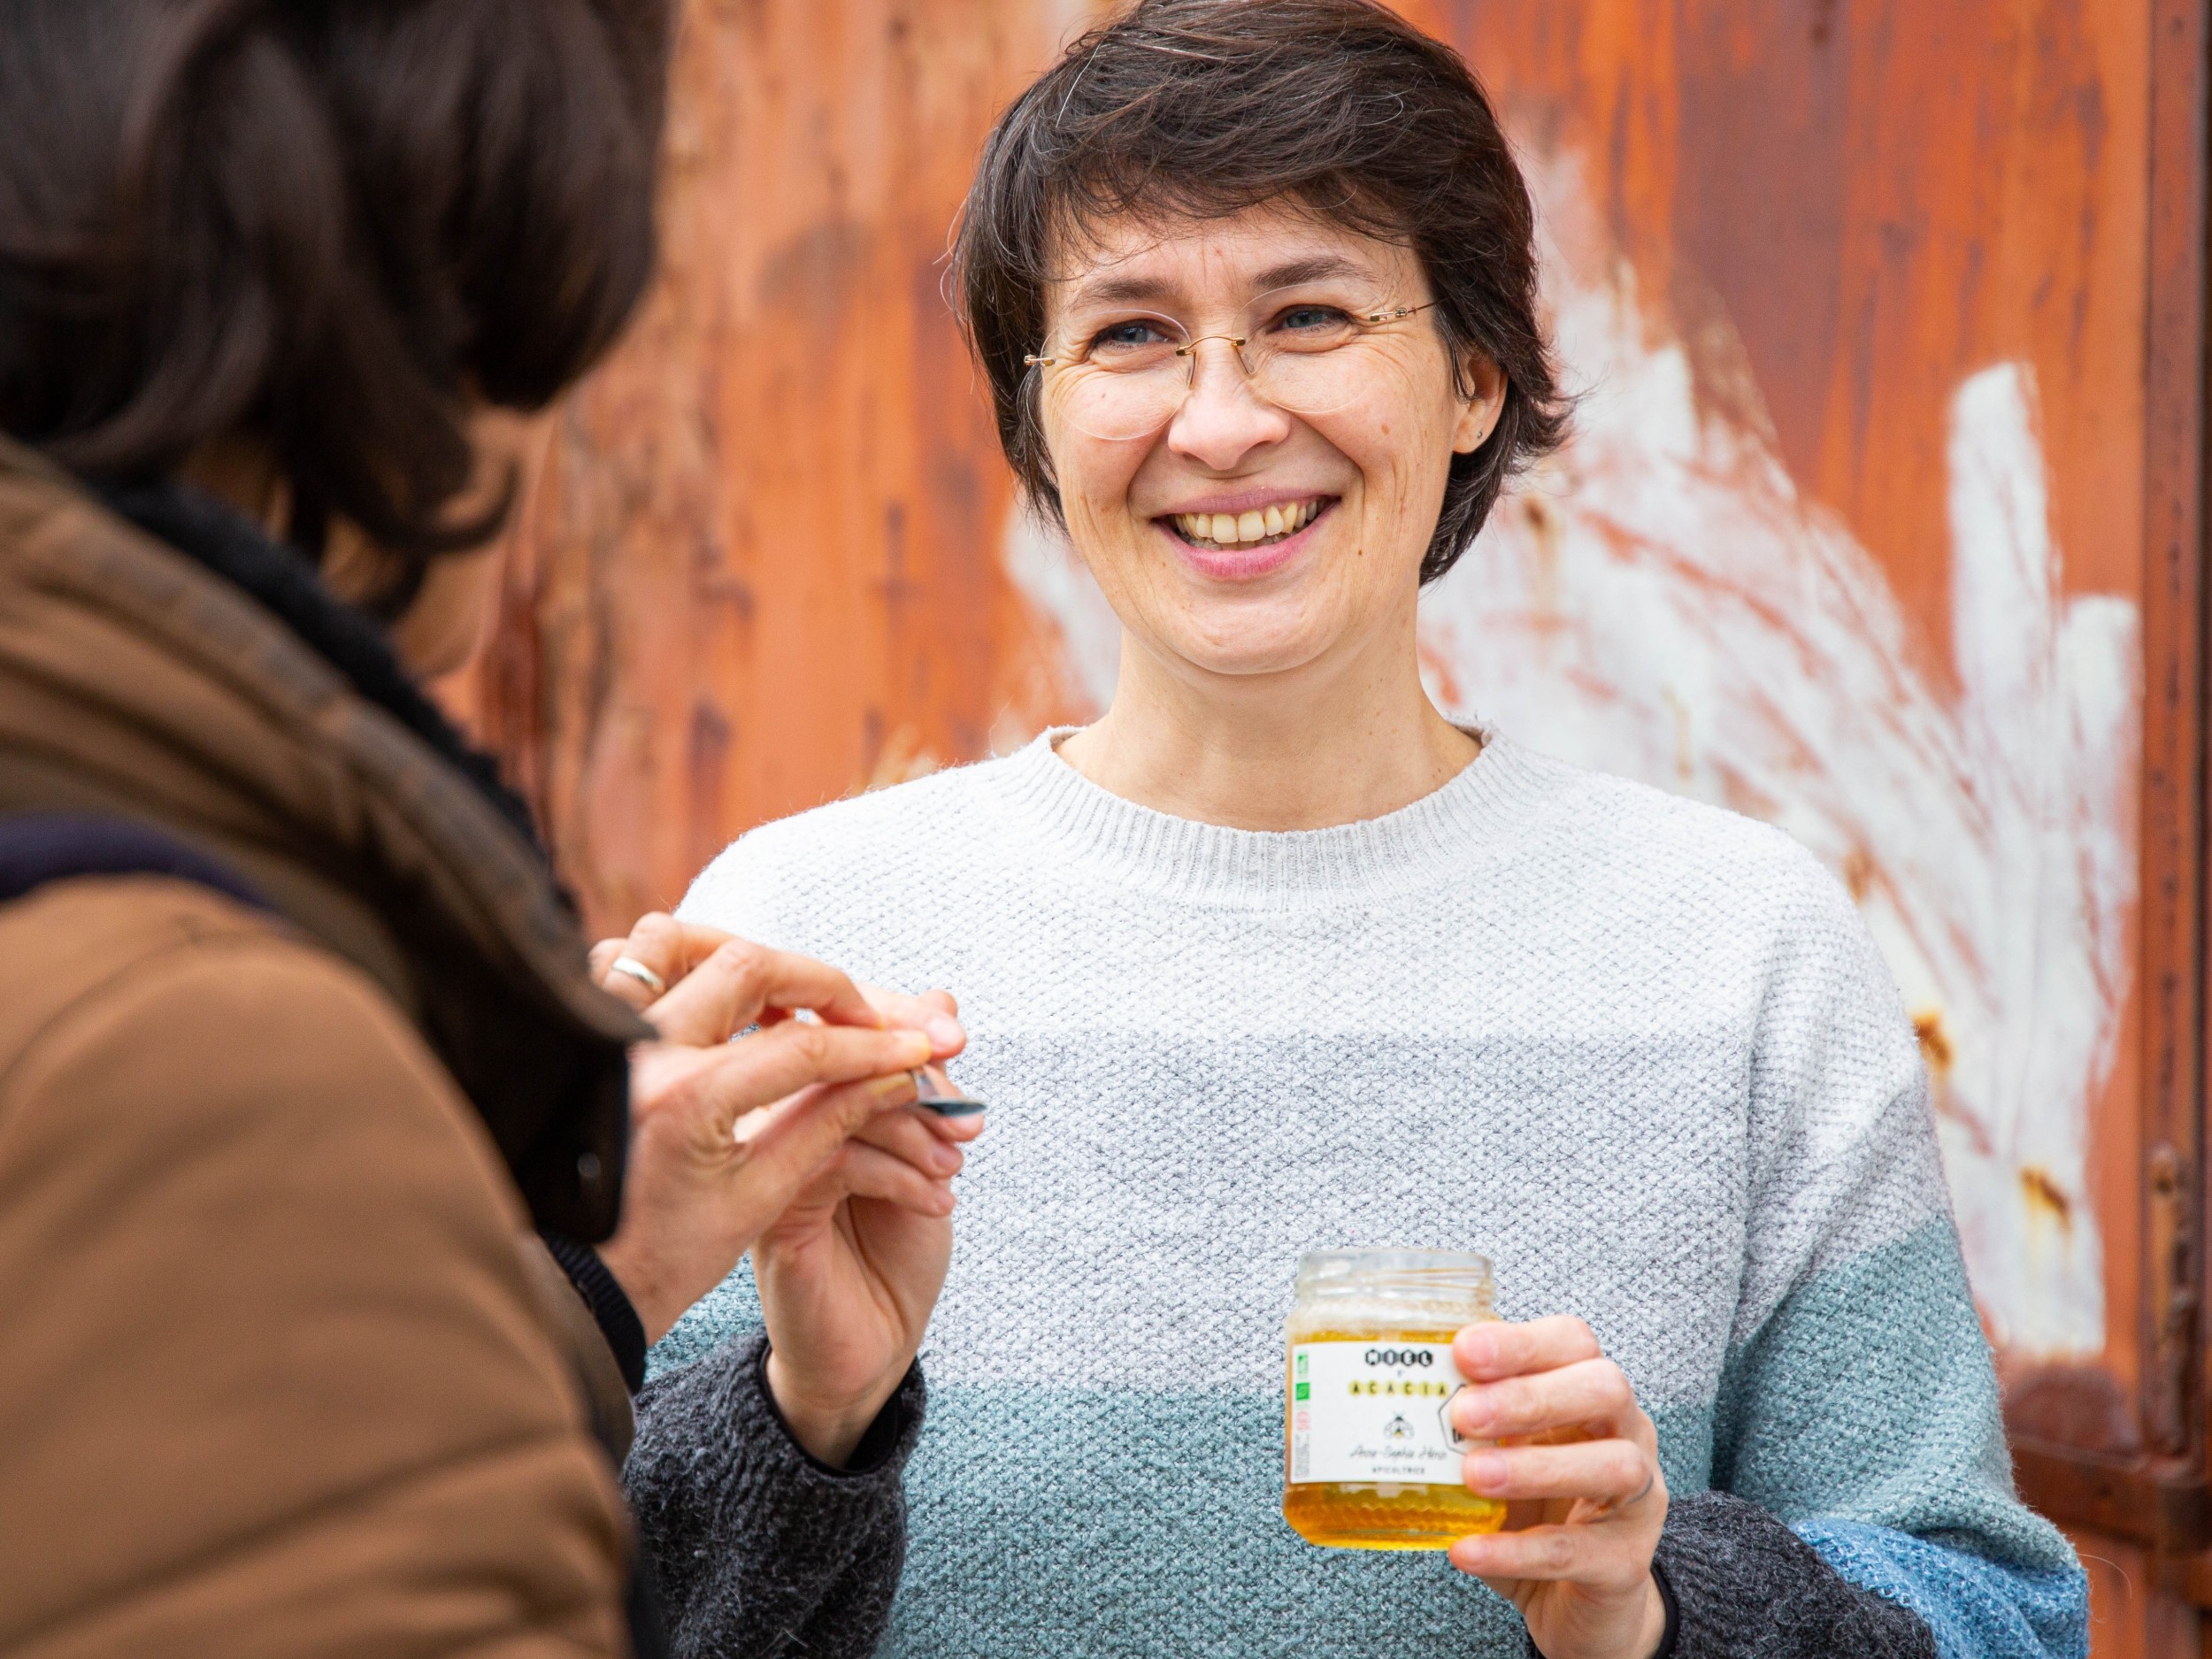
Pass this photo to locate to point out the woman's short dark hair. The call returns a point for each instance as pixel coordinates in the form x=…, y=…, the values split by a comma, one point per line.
x=332, y=224
x=1190, y=108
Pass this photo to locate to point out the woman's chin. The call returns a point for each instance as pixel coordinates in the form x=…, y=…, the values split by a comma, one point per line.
x=1246, y=647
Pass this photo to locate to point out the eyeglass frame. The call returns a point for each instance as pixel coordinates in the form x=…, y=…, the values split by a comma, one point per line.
x=1188, y=350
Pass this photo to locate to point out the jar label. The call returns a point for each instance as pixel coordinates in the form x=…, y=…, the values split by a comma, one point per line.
x=1372, y=1412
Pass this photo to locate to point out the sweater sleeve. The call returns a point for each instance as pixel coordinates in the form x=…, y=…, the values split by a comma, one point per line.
x=1738, y=1581
x=755, y=1547
x=1858, y=1402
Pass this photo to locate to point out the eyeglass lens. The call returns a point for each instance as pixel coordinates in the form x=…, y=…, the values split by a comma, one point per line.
x=1307, y=353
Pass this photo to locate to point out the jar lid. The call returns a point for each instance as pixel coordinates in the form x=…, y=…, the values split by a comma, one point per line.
x=1326, y=1271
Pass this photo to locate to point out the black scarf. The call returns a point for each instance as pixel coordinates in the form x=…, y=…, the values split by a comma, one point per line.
x=286, y=583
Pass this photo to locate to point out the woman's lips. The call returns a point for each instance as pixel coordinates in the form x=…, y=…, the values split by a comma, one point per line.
x=1244, y=560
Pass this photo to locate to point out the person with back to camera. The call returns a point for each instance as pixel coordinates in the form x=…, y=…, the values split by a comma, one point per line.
x=299, y=1044
x=1272, y=957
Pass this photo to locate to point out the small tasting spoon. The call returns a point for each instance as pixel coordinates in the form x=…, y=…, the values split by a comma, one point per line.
x=930, y=1099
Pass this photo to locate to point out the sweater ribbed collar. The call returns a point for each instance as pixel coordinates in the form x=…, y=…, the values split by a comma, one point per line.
x=1471, y=821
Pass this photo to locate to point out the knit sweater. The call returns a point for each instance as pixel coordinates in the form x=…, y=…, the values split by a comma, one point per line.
x=1639, y=1052
x=758, y=1551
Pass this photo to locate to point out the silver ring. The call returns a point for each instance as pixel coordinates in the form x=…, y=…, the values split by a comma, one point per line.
x=642, y=974
x=1650, y=1480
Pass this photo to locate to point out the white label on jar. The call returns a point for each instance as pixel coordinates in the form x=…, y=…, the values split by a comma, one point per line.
x=1372, y=1413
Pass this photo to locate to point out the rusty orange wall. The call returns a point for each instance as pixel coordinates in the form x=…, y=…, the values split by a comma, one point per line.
x=765, y=567
x=762, y=570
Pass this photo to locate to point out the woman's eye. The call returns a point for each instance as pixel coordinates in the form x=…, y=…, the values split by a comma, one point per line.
x=1137, y=334
x=1310, y=323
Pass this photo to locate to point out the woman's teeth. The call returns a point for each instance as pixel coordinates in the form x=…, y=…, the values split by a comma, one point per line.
x=1227, y=529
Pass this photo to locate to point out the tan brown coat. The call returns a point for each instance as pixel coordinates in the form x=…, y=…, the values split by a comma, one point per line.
x=276, y=1373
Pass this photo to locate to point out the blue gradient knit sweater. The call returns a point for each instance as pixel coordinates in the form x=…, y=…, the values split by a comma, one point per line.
x=1639, y=1052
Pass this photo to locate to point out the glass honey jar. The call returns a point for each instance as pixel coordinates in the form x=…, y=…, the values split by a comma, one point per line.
x=1371, y=1459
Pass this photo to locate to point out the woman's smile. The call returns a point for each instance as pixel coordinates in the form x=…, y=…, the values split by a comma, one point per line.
x=1236, y=539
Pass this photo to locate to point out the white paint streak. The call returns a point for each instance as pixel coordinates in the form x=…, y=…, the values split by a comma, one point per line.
x=1659, y=602
x=1046, y=570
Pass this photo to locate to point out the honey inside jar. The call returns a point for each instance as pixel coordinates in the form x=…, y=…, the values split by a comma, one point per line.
x=1371, y=1460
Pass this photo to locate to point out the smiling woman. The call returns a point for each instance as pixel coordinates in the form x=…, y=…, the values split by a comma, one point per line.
x=1273, y=957
x=1202, y=375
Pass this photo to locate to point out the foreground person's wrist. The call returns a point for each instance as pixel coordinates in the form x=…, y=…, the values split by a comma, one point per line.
x=829, y=1431
x=1657, y=1637
x=1669, y=1617
x=1650, y=1635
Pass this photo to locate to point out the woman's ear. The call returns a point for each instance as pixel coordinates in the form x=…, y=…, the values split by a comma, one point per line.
x=1478, y=412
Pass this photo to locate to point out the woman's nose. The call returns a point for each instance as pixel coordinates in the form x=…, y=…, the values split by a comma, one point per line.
x=1222, y=419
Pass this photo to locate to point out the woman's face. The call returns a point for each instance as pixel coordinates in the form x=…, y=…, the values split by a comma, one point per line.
x=1240, y=537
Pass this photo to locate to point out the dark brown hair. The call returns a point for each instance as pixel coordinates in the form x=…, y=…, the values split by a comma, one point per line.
x=333, y=225
x=1192, y=109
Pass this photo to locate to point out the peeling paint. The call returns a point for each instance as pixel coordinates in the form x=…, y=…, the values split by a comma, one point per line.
x=1697, y=597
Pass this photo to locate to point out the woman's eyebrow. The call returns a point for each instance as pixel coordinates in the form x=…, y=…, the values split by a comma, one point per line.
x=1319, y=268
x=1119, y=290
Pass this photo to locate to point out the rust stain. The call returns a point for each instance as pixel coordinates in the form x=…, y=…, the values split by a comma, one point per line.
x=1939, y=1055
x=2044, y=1199
x=1935, y=1043
x=1859, y=873
x=1436, y=668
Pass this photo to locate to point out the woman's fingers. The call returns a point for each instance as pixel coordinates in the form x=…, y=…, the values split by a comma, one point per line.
x=1590, y=1391
x=1587, y=1555
x=958, y=1130
x=867, y=1172
x=737, y=981
x=787, y=1146
x=771, y=1064
x=661, y=946
x=1495, y=1349
x=1610, y=1473
x=933, y=1011
x=725, y=1083
x=712, y=984
x=912, y=1136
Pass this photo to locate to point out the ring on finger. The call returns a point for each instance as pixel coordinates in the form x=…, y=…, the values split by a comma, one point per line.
x=1651, y=1479
x=642, y=974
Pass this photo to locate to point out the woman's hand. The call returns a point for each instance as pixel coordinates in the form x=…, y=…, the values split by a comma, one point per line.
x=1586, y=1500
x=850, y=1273
x=723, y=1135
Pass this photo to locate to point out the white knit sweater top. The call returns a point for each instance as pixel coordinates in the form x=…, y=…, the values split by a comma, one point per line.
x=1638, y=1051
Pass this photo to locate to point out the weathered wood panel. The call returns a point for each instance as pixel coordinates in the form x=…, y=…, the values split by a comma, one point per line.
x=764, y=568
